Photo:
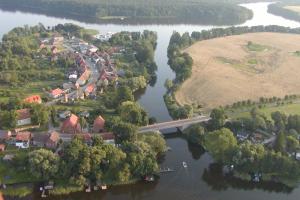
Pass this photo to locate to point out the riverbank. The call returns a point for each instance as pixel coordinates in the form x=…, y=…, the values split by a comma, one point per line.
x=288, y=10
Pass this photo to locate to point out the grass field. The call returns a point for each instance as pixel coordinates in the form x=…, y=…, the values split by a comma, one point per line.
x=242, y=67
x=288, y=109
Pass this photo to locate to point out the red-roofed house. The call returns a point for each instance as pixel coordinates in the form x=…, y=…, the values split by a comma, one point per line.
x=71, y=125
x=108, y=138
x=99, y=123
x=53, y=139
x=33, y=99
x=90, y=89
x=56, y=93
x=84, y=77
x=23, y=117
x=23, y=139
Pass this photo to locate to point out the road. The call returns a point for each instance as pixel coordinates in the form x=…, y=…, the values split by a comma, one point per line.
x=173, y=124
x=92, y=79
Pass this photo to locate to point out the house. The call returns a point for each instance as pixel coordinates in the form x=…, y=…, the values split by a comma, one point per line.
x=52, y=140
x=83, y=78
x=98, y=125
x=23, y=139
x=56, y=93
x=90, y=89
x=23, y=117
x=33, y=99
x=39, y=140
x=108, y=138
x=71, y=125
x=92, y=49
x=5, y=135
x=49, y=140
x=64, y=114
x=2, y=147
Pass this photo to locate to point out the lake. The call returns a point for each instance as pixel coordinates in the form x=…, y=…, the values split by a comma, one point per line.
x=201, y=180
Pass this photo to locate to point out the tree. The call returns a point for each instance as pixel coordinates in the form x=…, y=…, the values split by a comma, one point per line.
x=40, y=115
x=155, y=141
x=220, y=144
x=280, y=120
x=83, y=123
x=217, y=118
x=43, y=163
x=169, y=84
x=133, y=113
x=124, y=94
x=125, y=132
x=292, y=144
x=195, y=134
x=280, y=142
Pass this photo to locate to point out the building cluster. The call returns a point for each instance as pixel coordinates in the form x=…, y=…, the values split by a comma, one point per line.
x=70, y=127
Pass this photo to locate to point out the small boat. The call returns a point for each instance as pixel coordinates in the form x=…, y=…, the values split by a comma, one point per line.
x=149, y=178
x=88, y=189
x=184, y=164
x=103, y=187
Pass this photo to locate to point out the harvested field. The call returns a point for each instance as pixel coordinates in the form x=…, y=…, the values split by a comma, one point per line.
x=293, y=8
x=241, y=67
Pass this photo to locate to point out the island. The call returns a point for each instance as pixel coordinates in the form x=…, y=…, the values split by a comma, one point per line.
x=68, y=119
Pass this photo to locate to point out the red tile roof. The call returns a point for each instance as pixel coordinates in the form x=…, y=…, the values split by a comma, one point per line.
x=71, y=125
x=107, y=136
x=23, y=114
x=33, y=99
x=53, y=136
x=99, y=123
x=23, y=136
x=56, y=92
x=90, y=88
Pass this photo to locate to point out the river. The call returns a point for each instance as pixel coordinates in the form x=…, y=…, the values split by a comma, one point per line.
x=195, y=182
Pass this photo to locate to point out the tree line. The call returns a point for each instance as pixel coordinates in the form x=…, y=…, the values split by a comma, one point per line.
x=170, y=11
x=278, y=161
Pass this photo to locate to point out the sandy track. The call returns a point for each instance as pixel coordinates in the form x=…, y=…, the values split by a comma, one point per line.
x=217, y=82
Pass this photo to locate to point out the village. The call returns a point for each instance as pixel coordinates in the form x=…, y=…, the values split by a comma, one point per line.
x=94, y=70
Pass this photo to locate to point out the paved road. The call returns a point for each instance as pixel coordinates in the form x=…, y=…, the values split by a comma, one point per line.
x=173, y=124
x=92, y=79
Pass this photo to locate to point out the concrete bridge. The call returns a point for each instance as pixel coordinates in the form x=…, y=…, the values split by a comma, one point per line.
x=173, y=124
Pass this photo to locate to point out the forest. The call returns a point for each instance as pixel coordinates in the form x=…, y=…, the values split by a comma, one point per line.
x=141, y=11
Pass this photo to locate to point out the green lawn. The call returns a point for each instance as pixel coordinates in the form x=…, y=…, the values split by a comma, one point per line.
x=288, y=109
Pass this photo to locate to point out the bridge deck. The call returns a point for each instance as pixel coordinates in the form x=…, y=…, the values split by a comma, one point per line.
x=173, y=124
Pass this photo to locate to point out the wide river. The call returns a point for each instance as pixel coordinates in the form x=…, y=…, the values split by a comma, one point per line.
x=201, y=179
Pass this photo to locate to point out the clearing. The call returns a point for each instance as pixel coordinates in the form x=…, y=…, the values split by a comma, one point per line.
x=242, y=67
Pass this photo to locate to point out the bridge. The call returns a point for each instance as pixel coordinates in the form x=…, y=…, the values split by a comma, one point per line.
x=173, y=124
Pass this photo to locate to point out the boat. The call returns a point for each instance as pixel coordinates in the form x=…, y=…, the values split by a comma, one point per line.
x=103, y=187
x=184, y=164
x=149, y=178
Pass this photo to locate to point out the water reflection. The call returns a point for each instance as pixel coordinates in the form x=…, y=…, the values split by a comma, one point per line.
x=215, y=178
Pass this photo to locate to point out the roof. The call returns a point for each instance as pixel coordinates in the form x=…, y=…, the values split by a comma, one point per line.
x=108, y=136
x=23, y=136
x=71, y=125
x=56, y=92
x=4, y=134
x=85, y=75
x=53, y=136
x=99, y=123
x=86, y=137
x=33, y=99
x=90, y=88
x=23, y=114
x=40, y=138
